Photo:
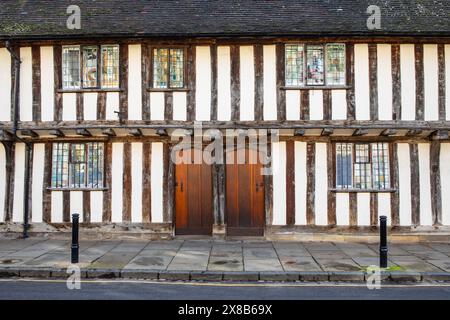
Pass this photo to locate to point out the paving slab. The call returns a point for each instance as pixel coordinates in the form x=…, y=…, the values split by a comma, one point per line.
x=171, y=245
x=370, y=261
x=441, y=247
x=262, y=265
x=111, y=260
x=441, y=264
x=338, y=265
x=259, y=253
x=149, y=262
x=417, y=266
x=300, y=264
x=225, y=264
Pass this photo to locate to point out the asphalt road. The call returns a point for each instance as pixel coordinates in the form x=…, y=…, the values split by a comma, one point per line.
x=111, y=290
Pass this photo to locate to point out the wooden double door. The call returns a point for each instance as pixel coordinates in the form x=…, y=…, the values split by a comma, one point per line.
x=244, y=194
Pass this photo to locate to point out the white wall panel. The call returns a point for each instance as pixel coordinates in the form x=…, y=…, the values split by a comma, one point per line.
x=270, y=83
x=431, y=82
x=117, y=182
x=447, y=81
x=96, y=206
x=112, y=104
x=69, y=107
x=339, y=104
x=445, y=182
x=223, y=84
x=300, y=183
x=47, y=84
x=76, y=204
x=5, y=85
x=363, y=209
x=203, y=83
x=179, y=106
x=362, y=90
x=384, y=67
x=292, y=104
x=384, y=206
x=2, y=182
x=26, y=85
x=57, y=207
x=321, y=187
x=136, y=182
x=38, y=181
x=247, y=67
x=342, y=209
x=425, y=186
x=157, y=182
x=279, y=183
x=19, y=170
x=134, y=82
x=404, y=183
x=157, y=102
x=90, y=106
x=408, y=81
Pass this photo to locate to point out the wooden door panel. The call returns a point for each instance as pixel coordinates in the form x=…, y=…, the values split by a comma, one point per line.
x=193, y=197
x=244, y=197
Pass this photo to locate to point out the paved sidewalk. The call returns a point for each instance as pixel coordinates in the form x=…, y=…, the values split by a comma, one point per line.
x=224, y=260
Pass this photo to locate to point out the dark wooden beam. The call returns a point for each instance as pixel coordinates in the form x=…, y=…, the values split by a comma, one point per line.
x=109, y=132
x=299, y=132
x=83, y=132
x=310, y=183
x=388, y=132
x=360, y=132
x=136, y=132
x=439, y=135
x=5, y=135
x=415, y=184
x=420, y=96
x=327, y=132
x=350, y=75
x=57, y=133
x=161, y=132
x=435, y=179
x=414, y=132
x=290, y=183
x=29, y=133
x=396, y=83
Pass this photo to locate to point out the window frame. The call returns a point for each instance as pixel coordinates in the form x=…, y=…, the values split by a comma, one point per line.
x=99, y=82
x=389, y=170
x=304, y=82
x=70, y=183
x=151, y=85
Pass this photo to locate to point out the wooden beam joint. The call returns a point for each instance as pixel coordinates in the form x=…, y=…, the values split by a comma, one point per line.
x=83, y=132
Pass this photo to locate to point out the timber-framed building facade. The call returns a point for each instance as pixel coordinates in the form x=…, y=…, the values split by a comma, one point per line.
x=361, y=117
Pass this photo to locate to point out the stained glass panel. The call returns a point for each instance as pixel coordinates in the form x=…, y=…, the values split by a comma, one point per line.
x=335, y=64
x=344, y=165
x=362, y=167
x=176, y=68
x=380, y=166
x=294, y=59
x=160, y=68
x=110, y=66
x=315, y=70
x=71, y=67
x=90, y=63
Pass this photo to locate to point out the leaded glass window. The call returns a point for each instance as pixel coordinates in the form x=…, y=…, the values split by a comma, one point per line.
x=335, y=64
x=90, y=64
x=77, y=165
x=110, y=66
x=344, y=155
x=84, y=63
x=314, y=65
x=71, y=67
x=362, y=166
x=168, y=68
x=294, y=64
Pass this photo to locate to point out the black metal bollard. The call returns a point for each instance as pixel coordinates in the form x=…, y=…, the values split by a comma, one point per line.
x=383, y=242
x=75, y=229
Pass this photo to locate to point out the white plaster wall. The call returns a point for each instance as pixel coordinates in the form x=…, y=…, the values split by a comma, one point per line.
x=117, y=182
x=404, y=183
x=5, y=85
x=279, y=183
x=47, y=84
x=223, y=83
x=57, y=207
x=156, y=182
x=247, y=67
x=362, y=91
x=134, y=82
x=26, y=85
x=384, y=206
x=112, y=104
x=300, y=183
x=157, y=105
x=363, y=209
x=339, y=104
x=408, y=81
x=76, y=204
x=38, y=181
x=2, y=182
x=292, y=104
x=90, y=106
x=342, y=209
x=69, y=106
x=431, y=82
x=96, y=206
x=19, y=162
x=447, y=81
x=384, y=63
x=425, y=185
x=270, y=83
x=321, y=187
x=179, y=106
x=136, y=182
x=316, y=105
x=203, y=83
x=445, y=182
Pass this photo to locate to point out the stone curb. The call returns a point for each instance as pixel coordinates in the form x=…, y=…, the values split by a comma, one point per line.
x=216, y=276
